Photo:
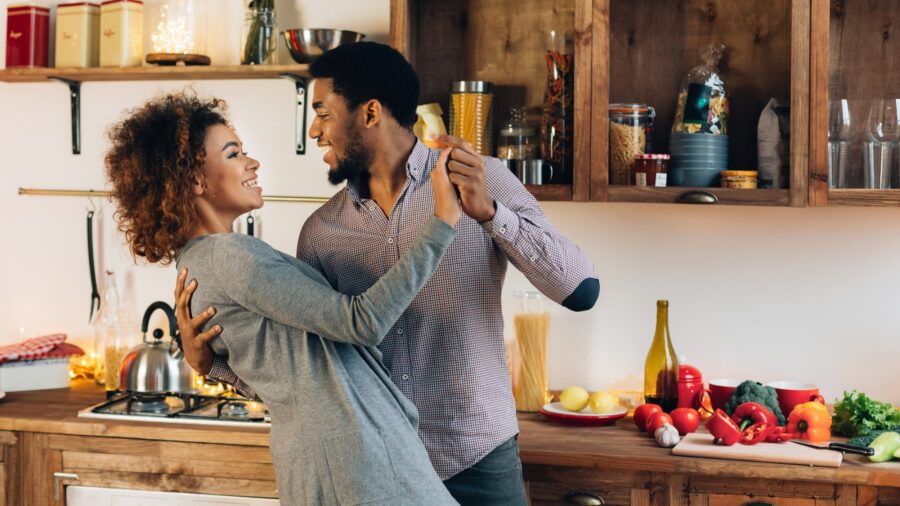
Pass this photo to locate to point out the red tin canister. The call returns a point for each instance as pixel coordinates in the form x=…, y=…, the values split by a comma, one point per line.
x=690, y=386
x=27, y=35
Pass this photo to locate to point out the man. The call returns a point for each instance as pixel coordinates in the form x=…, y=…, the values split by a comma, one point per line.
x=446, y=352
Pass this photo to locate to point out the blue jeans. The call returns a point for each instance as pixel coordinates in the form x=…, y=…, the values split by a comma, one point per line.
x=494, y=480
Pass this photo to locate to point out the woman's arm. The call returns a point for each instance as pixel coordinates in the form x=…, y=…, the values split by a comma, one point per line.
x=260, y=279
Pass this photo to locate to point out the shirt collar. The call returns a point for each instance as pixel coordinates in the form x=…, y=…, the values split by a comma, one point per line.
x=417, y=166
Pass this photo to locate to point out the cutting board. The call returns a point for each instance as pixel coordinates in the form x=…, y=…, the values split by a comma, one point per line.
x=701, y=445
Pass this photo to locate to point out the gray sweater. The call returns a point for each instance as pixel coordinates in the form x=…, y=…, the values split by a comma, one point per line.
x=342, y=433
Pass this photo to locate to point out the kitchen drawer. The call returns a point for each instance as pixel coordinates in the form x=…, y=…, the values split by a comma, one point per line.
x=557, y=485
x=731, y=491
x=138, y=464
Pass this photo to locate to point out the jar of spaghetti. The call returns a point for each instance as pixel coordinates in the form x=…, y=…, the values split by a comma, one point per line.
x=531, y=320
x=630, y=127
x=470, y=114
x=745, y=179
x=650, y=170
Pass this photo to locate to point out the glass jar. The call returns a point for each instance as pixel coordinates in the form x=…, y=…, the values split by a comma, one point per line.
x=259, y=36
x=630, y=129
x=532, y=323
x=650, y=170
x=516, y=140
x=557, y=121
x=470, y=114
x=175, y=27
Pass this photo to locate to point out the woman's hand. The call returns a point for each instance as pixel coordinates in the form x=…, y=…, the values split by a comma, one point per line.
x=195, y=344
x=446, y=200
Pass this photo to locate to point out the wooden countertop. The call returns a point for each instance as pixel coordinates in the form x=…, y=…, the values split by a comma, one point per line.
x=541, y=441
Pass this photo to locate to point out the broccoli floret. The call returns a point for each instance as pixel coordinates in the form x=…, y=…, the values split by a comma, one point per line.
x=754, y=391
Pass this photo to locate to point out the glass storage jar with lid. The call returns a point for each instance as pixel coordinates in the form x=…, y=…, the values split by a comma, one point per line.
x=630, y=129
x=517, y=139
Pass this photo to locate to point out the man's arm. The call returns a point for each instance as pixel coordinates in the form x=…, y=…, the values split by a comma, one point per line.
x=492, y=195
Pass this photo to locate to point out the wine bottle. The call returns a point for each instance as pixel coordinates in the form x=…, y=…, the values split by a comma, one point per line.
x=661, y=367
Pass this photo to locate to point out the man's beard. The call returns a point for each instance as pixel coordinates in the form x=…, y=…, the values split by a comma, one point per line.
x=354, y=166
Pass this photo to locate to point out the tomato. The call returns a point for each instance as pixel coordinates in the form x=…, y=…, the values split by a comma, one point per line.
x=643, y=413
x=656, y=421
x=686, y=420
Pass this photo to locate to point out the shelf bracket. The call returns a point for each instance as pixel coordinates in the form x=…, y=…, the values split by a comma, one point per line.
x=302, y=89
x=75, y=98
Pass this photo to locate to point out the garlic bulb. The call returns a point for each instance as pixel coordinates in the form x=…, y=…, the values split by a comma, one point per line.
x=667, y=436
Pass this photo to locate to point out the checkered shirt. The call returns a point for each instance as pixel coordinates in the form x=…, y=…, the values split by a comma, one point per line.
x=446, y=352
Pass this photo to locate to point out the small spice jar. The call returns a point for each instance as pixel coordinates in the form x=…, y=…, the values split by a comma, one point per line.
x=77, y=35
x=650, y=170
x=27, y=34
x=745, y=179
x=630, y=126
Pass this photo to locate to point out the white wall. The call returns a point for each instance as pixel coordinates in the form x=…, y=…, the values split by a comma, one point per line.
x=806, y=294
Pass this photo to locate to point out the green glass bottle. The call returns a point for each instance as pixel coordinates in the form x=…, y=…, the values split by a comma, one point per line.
x=661, y=367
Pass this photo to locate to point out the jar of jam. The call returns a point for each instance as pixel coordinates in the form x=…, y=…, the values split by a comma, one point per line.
x=745, y=179
x=650, y=170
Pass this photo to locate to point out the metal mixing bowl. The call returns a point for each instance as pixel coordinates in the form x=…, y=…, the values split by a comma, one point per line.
x=307, y=44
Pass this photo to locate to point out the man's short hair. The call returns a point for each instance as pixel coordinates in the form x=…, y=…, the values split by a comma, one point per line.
x=363, y=71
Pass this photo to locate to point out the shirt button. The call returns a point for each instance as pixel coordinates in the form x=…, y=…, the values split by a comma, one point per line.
x=503, y=229
x=400, y=331
x=390, y=240
x=405, y=377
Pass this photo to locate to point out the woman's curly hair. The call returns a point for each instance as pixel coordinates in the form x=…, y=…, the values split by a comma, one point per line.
x=156, y=157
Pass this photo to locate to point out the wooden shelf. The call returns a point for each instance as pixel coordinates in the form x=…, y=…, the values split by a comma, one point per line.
x=860, y=197
x=28, y=75
x=727, y=196
x=561, y=192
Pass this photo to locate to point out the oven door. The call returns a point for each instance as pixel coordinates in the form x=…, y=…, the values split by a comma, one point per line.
x=92, y=496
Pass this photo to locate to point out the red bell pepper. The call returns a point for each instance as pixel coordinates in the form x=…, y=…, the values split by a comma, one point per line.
x=750, y=413
x=756, y=433
x=779, y=435
x=723, y=428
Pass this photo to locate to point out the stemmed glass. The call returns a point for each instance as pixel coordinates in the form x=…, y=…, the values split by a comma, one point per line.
x=840, y=136
x=883, y=130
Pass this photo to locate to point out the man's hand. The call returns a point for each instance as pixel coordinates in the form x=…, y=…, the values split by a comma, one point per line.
x=467, y=174
x=196, y=345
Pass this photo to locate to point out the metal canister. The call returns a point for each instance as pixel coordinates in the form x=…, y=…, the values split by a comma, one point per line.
x=77, y=35
x=470, y=114
x=121, y=33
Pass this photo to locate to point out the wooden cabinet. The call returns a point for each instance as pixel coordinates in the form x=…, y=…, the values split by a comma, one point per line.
x=855, y=57
x=548, y=485
x=54, y=461
x=625, y=51
x=732, y=491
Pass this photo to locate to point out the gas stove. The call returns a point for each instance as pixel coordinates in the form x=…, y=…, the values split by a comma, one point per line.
x=227, y=409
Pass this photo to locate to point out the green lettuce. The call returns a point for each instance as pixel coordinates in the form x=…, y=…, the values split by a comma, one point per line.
x=858, y=414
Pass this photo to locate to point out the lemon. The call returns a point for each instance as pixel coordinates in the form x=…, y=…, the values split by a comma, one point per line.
x=602, y=402
x=574, y=398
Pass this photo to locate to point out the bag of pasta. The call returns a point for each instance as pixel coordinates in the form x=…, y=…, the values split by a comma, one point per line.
x=702, y=98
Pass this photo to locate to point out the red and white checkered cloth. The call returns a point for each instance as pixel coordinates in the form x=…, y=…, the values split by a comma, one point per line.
x=36, y=347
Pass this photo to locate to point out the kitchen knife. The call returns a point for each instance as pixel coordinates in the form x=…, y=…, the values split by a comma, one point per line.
x=841, y=447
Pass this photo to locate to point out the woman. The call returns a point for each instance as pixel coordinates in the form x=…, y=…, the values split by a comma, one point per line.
x=342, y=433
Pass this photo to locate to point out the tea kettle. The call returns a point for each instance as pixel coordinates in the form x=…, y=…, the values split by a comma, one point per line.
x=156, y=367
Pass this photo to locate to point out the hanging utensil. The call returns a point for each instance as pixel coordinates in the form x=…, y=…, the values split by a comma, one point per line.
x=95, y=294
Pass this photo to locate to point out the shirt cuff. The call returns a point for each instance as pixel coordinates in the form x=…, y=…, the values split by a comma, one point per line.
x=504, y=225
x=221, y=372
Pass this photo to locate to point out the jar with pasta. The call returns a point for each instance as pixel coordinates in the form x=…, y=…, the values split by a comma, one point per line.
x=470, y=114
x=532, y=324
x=630, y=129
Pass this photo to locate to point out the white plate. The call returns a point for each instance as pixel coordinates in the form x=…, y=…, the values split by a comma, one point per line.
x=2, y=394
x=556, y=408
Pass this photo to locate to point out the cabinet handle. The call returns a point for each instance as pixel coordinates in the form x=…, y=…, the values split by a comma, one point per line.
x=583, y=498
x=57, y=478
x=697, y=197
x=758, y=503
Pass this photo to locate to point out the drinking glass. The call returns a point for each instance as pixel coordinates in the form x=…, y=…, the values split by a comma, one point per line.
x=884, y=120
x=883, y=129
x=840, y=139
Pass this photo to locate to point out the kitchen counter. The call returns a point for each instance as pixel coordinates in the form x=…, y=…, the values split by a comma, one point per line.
x=542, y=442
